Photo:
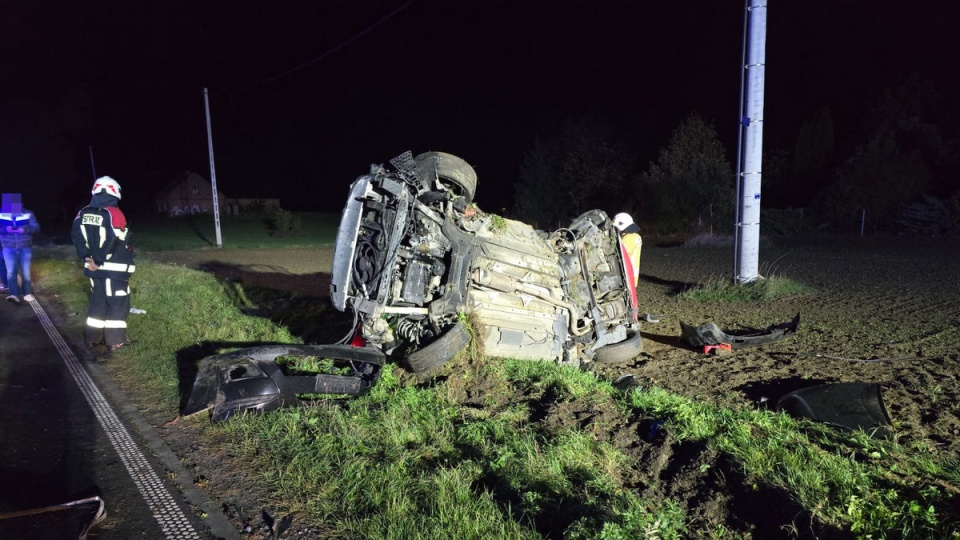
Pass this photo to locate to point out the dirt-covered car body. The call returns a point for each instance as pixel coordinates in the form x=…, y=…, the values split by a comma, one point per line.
x=414, y=258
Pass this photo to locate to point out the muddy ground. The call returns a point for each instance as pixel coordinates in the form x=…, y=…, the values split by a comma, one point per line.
x=884, y=311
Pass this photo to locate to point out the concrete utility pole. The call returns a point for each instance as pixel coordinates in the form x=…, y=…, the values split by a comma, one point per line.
x=750, y=151
x=213, y=170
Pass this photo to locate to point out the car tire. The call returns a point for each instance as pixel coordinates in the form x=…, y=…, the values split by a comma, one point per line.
x=453, y=172
x=627, y=349
x=441, y=350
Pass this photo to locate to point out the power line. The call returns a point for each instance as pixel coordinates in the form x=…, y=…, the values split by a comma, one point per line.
x=329, y=51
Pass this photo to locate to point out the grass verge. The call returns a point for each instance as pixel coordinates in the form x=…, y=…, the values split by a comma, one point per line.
x=760, y=290
x=189, y=315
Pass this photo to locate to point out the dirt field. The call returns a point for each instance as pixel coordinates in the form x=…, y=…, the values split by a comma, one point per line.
x=881, y=311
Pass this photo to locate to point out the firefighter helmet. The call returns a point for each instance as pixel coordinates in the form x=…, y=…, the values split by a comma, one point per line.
x=622, y=220
x=106, y=185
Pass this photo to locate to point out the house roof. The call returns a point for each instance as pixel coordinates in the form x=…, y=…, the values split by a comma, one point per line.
x=182, y=179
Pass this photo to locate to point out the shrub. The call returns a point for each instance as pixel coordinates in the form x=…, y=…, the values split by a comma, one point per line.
x=286, y=223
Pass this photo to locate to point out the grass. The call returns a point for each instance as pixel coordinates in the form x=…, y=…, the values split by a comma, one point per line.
x=190, y=315
x=874, y=488
x=498, y=224
x=253, y=230
x=760, y=290
x=407, y=462
x=411, y=460
x=427, y=467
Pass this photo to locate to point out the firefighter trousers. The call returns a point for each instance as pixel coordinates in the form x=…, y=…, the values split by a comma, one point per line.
x=108, y=311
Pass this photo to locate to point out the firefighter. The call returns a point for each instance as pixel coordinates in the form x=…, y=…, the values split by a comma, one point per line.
x=630, y=238
x=102, y=240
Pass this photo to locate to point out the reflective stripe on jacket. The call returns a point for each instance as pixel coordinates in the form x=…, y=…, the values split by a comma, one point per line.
x=102, y=234
x=633, y=243
x=26, y=220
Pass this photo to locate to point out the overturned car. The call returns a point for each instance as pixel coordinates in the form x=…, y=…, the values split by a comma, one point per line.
x=414, y=258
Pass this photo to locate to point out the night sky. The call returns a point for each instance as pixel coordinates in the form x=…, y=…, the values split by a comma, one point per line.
x=477, y=79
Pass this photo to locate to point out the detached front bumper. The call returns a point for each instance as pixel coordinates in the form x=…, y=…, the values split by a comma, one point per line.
x=250, y=379
x=709, y=334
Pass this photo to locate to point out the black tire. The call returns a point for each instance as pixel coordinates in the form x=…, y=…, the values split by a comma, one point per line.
x=441, y=351
x=452, y=172
x=627, y=349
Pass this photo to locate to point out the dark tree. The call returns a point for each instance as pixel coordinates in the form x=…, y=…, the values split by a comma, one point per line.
x=904, y=108
x=878, y=179
x=901, y=158
x=776, y=177
x=811, y=154
x=536, y=198
x=945, y=173
x=586, y=166
x=691, y=184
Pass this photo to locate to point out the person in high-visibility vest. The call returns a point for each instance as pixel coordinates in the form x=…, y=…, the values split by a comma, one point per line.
x=630, y=237
x=17, y=227
x=102, y=240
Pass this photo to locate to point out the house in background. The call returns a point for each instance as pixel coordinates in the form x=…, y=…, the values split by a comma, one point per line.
x=190, y=193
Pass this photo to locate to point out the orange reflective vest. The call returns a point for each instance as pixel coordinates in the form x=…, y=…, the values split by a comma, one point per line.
x=633, y=244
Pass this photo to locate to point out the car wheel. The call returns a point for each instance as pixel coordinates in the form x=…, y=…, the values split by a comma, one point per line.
x=452, y=172
x=441, y=350
x=627, y=349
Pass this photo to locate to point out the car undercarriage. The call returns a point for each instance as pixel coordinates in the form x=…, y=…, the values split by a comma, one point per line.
x=424, y=272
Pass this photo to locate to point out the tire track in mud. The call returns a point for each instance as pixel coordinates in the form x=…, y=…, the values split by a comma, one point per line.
x=944, y=311
x=892, y=308
x=889, y=308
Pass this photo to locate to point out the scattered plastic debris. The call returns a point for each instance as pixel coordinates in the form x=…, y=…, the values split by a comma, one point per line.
x=655, y=429
x=625, y=383
x=709, y=334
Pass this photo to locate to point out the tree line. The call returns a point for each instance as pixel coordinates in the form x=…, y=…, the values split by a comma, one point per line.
x=896, y=175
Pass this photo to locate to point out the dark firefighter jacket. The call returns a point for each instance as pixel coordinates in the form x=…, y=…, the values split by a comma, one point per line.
x=100, y=231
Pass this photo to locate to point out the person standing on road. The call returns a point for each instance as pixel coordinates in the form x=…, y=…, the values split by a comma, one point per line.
x=102, y=240
x=3, y=274
x=17, y=227
x=3, y=264
x=630, y=238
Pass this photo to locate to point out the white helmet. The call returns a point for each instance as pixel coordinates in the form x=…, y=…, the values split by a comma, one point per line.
x=622, y=220
x=107, y=185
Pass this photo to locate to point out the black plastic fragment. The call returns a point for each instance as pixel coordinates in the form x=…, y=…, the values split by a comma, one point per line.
x=711, y=334
x=250, y=379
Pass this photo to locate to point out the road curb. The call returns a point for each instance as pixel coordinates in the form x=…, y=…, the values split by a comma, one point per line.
x=212, y=513
x=214, y=517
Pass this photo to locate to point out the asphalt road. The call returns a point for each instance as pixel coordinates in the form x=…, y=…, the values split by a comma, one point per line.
x=66, y=433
